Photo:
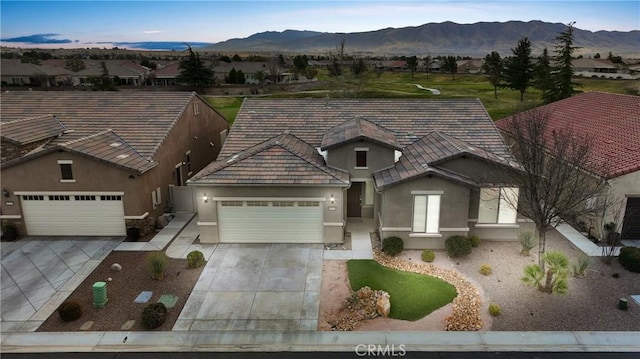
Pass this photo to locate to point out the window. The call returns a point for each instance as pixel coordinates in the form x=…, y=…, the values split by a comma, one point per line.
x=188, y=162
x=58, y=198
x=65, y=170
x=156, y=197
x=110, y=198
x=426, y=213
x=282, y=204
x=231, y=203
x=361, y=158
x=308, y=204
x=33, y=198
x=85, y=198
x=498, y=205
x=196, y=109
x=590, y=203
x=257, y=204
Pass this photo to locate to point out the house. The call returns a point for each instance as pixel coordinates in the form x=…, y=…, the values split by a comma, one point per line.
x=296, y=170
x=612, y=121
x=96, y=163
x=14, y=72
x=469, y=66
x=166, y=75
x=127, y=72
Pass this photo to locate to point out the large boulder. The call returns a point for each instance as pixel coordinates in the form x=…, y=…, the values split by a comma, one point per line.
x=383, y=303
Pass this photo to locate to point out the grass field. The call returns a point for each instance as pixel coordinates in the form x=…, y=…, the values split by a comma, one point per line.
x=402, y=85
x=413, y=296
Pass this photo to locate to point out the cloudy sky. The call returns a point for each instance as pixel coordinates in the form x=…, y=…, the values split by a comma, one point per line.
x=69, y=23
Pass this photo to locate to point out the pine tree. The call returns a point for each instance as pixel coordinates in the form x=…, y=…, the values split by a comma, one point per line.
x=563, y=70
x=492, y=67
x=543, y=77
x=194, y=72
x=519, y=70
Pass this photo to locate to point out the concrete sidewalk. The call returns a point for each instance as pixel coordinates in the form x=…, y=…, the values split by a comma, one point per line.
x=360, y=229
x=583, y=243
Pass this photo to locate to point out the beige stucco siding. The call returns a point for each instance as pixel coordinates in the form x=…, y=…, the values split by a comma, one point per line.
x=333, y=217
x=344, y=158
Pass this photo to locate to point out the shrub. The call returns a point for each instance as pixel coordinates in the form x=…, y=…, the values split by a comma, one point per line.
x=630, y=259
x=475, y=241
x=616, y=275
x=494, y=310
x=9, y=231
x=195, y=259
x=457, y=246
x=485, y=269
x=70, y=311
x=579, y=268
x=428, y=255
x=157, y=264
x=527, y=241
x=154, y=315
x=392, y=245
x=554, y=279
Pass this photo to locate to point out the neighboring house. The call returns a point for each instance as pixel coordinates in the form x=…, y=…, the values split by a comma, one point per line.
x=249, y=69
x=128, y=72
x=14, y=72
x=96, y=163
x=166, y=75
x=295, y=170
x=594, y=66
x=471, y=66
x=612, y=122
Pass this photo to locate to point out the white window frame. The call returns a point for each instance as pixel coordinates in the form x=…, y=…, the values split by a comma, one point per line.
x=196, y=109
x=187, y=162
x=156, y=197
x=426, y=213
x=70, y=163
x=361, y=149
x=506, y=211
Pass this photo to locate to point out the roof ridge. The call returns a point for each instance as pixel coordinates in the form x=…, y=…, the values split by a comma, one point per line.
x=324, y=169
x=86, y=137
x=30, y=118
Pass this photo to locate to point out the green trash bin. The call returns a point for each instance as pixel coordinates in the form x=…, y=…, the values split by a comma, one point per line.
x=99, y=294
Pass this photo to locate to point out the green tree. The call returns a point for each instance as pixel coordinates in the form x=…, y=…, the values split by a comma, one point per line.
x=543, y=76
x=236, y=58
x=194, y=72
x=596, y=56
x=519, y=69
x=562, y=84
x=103, y=82
x=261, y=76
x=412, y=64
x=300, y=62
x=359, y=67
x=427, y=64
x=310, y=74
x=492, y=68
x=450, y=65
x=74, y=64
x=554, y=280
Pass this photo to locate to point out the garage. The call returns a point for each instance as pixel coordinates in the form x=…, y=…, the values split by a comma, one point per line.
x=631, y=224
x=258, y=221
x=73, y=214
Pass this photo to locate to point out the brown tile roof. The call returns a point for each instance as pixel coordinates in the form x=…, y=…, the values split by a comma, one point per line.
x=356, y=129
x=31, y=129
x=422, y=157
x=141, y=119
x=612, y=121
x=407, y=119
x=283, y=160
x=168, y=71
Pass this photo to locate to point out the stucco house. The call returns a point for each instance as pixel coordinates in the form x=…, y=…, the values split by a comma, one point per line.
x=612, y=123
x=96, y=163
x=296, y=170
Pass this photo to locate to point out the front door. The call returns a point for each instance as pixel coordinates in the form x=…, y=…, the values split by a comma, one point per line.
x=354, y=200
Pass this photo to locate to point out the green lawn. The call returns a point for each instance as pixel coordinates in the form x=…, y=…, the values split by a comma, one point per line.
x=227, y=106
x=413, y=296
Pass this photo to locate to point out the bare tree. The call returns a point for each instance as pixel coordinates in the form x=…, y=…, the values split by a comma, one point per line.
x=553, y=181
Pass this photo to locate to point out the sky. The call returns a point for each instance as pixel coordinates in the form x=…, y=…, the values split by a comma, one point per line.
x=80, y=23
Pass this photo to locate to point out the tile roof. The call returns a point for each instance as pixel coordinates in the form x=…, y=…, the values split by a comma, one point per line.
x=356, y=129
x=31, y=129
x=20, y=69
x=282, y=160
x=141, y=119
x=407, y=119
x=612, y=121
x=422, y=157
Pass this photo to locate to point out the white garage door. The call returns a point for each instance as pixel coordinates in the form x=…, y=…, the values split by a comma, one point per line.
x=73, y=215
x=270, y=221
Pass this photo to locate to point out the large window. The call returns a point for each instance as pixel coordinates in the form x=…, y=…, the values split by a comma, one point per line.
x=426, y=213
x=498, y=205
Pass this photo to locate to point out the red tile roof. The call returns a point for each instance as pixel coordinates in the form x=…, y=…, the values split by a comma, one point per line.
x=611, y=120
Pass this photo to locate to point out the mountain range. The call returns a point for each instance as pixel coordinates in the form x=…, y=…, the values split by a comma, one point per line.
x=447, y=38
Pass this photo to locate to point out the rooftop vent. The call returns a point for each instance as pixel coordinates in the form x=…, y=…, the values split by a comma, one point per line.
x=115, y=144
x=123, y=156
x=233, y=158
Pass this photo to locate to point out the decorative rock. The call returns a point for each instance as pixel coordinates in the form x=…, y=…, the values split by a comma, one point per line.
x=116, y=267
x=109, y=279
x=383, y=304
x=162, y=222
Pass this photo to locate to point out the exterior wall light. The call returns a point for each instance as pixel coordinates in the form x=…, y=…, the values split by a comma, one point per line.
x=5, y=192
x=332, y=200
x=205, y=199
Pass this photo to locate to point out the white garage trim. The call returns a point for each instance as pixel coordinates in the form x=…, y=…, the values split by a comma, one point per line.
x=142, y=216
x=262, y=221
x=73, y=214
x=319, y=199
x=53, y=193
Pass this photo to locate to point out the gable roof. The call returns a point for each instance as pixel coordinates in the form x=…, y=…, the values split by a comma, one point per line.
x=356, y=129
x=280, y=160
x=612, y=121
x=422, y=157
x=407, y=119
x=142, y=120
x=31, y=129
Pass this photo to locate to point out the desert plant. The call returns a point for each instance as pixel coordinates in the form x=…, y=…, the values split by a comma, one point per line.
x=554, y=280
x=457, y=246
x=428, y=255
x=629, y=258
x=475, y=241
x=9, y=231
x=157, y=264
x=195, y=259
x=527, y=241
x=579, y=268
x=69, y=311
x=153, y=315
x=494, y=309
x=485, y=269
x=392, y=245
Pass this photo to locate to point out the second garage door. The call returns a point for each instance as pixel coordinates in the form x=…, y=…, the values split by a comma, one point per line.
x=631, y=224
x=270, y=221
x=73, y=214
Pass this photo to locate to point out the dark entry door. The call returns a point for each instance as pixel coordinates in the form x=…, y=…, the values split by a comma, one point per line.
x=631, y=223
x=354, y=200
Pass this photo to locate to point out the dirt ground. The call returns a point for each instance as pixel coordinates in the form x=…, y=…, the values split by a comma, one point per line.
x=591, y=303
x=123, y=290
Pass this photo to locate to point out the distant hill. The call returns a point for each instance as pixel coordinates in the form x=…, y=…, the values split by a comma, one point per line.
x=445, y=38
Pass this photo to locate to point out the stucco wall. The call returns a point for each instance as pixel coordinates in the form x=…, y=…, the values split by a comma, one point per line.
x=333, y=221
x=344, y=158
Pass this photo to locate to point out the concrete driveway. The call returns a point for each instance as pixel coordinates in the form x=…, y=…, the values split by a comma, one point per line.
x=256, y=287
x=39, y=273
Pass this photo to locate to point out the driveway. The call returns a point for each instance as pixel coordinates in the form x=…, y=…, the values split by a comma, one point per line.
x=256, y=287
x=39, y=273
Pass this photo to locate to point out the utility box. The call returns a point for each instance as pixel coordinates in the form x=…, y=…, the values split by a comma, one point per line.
x=99, y=294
